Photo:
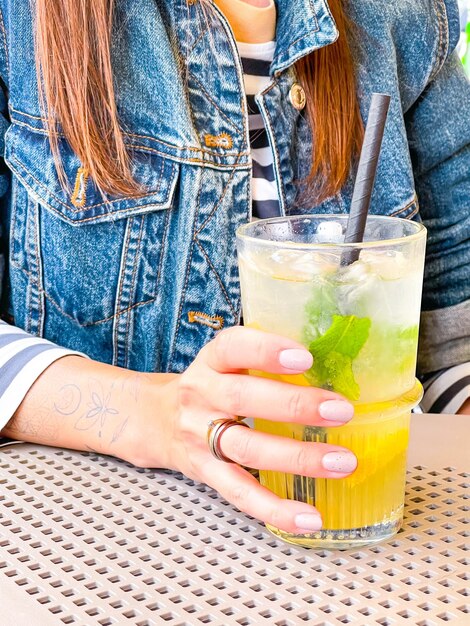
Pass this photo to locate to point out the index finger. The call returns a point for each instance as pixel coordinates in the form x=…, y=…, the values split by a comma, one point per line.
x=241, y=348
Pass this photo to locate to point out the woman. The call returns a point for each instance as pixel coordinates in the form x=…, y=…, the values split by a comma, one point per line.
x=128, y=172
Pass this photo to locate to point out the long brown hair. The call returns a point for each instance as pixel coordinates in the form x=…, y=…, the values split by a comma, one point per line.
x=73, y=43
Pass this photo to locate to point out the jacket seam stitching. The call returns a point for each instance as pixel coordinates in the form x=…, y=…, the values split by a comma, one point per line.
x=315, y=30
x=117, y=315
x=32, y=252
x=43, y=131
x=216, y=206
x=13, y=219
x=440, y=11
x=132, y=290
x=219, y=280
x=413, y=212
x=214, y=103
x=276, y=150
x=407, y=206
x=188, y=272
x=87, y=324
x=191, y=114
x=309, y=34
x=160, y=263
x=166, y=155
x=239, y=73
x=238, y=155
x=27, y=229
x=5, y=45
x=98, y=204
x=165, y=143
x=39, y=273
x=87, y=219
x=196, y=42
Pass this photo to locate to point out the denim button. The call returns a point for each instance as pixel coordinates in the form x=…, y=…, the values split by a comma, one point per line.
x=297, y=96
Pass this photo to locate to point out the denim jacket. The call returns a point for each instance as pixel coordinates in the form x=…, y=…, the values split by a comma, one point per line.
x=144, y=282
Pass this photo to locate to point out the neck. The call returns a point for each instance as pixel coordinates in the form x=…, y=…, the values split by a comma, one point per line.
x=252, y=21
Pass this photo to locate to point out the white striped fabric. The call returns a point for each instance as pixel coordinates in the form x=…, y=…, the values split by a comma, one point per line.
x=447, y=390
x=256, y=60
x=23, y=358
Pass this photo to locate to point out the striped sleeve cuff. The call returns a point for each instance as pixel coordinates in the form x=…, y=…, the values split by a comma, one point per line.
x=23, y=358
x=447, y=390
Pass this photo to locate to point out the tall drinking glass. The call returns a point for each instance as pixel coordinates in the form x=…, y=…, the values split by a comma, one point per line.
x=358, y=316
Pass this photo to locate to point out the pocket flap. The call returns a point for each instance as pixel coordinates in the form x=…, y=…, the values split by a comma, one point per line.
x=29, y=156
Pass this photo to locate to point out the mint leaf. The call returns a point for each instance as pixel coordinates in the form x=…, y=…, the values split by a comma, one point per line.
x=340, y=375
x=346, y=335
x=334, y=353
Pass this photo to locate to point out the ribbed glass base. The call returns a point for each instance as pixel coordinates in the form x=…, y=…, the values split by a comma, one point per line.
x=367, y=506
x=342, y=539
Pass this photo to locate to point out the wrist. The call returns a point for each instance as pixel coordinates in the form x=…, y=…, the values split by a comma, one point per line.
x=147, y=436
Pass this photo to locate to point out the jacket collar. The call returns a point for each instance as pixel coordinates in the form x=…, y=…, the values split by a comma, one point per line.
x=302, y=27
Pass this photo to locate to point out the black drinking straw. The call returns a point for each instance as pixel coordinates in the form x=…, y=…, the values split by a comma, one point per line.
x=365, y=176
x=304, y=488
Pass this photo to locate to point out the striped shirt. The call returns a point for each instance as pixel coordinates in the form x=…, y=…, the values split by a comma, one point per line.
x=256, y=60
x=447, y=390
x=23, y=357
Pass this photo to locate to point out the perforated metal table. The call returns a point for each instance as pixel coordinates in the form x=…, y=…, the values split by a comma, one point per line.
x=89, y=540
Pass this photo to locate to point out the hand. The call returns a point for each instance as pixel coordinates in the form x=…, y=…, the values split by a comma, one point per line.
x=217, y=385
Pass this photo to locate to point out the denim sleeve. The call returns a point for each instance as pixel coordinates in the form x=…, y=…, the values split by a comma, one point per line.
x=438, y=127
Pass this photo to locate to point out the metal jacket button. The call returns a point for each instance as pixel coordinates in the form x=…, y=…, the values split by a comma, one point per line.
x=297, y=96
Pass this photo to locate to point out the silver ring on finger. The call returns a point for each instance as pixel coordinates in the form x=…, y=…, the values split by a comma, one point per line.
x=215, y=430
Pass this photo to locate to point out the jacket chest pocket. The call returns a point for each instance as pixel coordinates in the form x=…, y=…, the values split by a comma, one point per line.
x=91, y=255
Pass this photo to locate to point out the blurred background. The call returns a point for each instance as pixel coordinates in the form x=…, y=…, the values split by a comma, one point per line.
x=464, y=43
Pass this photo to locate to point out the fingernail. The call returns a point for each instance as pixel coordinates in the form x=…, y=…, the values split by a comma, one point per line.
x=294, y=359
x=308, y=522
x=336, y=410
x=343, y=462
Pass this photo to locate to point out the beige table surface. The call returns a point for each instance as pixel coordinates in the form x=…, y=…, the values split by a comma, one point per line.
x=439, y=441
x=92, y=541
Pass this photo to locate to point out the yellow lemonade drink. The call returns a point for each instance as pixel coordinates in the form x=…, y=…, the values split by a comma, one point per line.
x=360, y=322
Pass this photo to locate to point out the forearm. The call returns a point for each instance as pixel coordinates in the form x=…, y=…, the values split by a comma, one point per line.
x=82, y=404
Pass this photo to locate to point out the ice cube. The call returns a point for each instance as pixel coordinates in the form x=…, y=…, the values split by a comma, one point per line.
x=355, y=273
x=387, y=264
x=303, y=265
x=329, y=232
x=370, y=292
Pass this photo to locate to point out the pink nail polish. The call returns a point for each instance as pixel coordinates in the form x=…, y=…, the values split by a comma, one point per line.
x=296, y=360
x=308, y=522
x=336, y=410
x=341, y=462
